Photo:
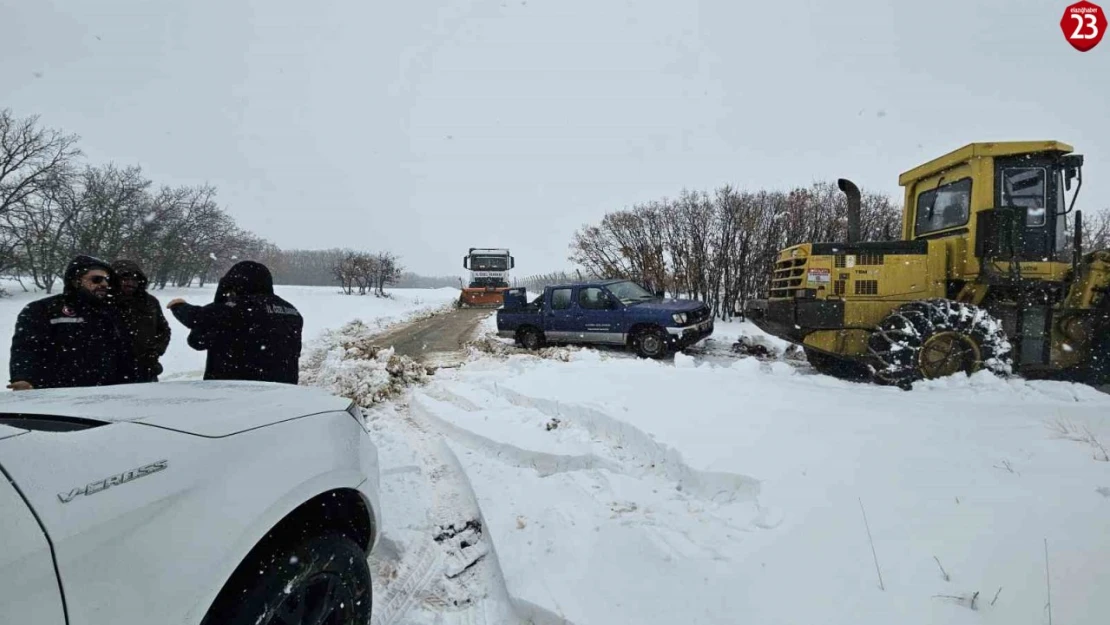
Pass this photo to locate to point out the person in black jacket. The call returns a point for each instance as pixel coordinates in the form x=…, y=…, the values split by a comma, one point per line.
x=141, y=313
x=249, y=333
x=74, y=338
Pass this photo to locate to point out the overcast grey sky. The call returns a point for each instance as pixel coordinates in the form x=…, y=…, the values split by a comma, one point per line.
x=429, y=126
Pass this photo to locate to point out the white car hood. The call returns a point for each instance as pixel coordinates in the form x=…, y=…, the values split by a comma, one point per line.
x=205, y=408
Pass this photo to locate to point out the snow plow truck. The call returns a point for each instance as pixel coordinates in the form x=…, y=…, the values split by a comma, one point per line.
x=989, y=273
x=489, y=277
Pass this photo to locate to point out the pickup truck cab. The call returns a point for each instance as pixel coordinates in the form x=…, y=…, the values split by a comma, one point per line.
x=610, y=312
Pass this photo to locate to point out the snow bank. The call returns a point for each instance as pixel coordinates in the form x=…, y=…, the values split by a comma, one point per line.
x=488, y=344
x=743, y=337
x=348, y=363
x=628, y=490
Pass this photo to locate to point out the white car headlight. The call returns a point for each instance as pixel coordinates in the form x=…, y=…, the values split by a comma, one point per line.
x=679, y=318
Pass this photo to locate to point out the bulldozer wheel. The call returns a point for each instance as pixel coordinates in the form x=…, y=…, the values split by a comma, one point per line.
x=936, y=338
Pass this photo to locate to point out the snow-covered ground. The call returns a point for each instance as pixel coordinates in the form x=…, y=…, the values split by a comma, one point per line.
x=592, y=487
x=708, y=490
x=323, y=308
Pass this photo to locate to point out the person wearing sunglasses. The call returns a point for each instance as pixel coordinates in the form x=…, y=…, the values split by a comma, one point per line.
x=74, y=338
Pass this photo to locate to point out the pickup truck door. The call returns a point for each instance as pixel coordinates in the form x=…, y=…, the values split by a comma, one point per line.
x=563, y=323
x=29, y=591
x=599, y=320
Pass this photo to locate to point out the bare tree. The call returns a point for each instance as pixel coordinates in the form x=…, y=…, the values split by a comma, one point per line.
x=29, y=155
x=385, y=270
x=1096, y=230
x=721, y=248
x=31, y=159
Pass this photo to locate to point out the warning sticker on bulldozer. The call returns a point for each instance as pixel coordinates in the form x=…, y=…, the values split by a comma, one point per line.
x=817, y=276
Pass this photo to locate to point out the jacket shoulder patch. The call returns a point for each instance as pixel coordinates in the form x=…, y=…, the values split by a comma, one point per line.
x=56, y=320
x=277, y=309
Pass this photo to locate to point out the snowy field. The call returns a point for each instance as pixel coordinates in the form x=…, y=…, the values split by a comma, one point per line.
x=323, y=308
x=716, y=490
x=591, y=487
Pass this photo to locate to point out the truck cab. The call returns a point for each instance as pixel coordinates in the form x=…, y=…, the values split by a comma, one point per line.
x=609, y=312
x=489, y=277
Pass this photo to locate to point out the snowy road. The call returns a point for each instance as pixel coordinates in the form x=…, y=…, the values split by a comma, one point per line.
x=436, y=339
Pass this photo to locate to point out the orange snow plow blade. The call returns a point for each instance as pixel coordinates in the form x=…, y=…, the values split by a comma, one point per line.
x=482, y=298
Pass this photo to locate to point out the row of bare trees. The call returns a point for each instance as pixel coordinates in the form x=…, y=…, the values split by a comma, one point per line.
x=53, y=205
x=367, y=272
x=322, y=268
x=721, y=247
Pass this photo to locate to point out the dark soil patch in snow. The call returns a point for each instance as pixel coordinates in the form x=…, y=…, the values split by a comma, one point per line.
x=435, y=334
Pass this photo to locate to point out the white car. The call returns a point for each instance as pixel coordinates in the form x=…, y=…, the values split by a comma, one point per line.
x=185, y=503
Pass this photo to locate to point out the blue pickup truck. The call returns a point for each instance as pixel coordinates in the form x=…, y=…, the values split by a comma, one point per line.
x=610, y=312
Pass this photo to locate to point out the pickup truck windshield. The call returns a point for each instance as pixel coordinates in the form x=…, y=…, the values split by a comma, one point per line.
x=628, y=292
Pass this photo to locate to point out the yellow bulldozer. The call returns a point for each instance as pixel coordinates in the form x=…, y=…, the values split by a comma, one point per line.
x=489, y=277
x=989, y=273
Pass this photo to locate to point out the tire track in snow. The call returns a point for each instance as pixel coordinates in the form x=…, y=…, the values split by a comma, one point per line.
x=450, y=573
x=401, y=596
x=455, y=494
x=707, y=485
x=545, y=464
x=635, y=448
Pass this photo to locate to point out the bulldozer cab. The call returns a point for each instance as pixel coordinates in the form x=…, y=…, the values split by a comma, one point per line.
x=992, y=203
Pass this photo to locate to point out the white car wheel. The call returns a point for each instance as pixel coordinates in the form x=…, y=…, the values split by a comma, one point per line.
x=324, y=580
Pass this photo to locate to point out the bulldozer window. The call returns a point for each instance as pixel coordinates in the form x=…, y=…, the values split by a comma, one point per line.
x=1063, y=241
x=947, y=206
x=560, y=299
x=1026, y=186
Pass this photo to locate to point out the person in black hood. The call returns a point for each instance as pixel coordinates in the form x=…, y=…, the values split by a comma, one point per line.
x=249, y=332
x=74, y=338
x=141, y=313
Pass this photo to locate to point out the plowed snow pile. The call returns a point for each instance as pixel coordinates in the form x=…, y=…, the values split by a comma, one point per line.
x=619, y=490
x=346, y=362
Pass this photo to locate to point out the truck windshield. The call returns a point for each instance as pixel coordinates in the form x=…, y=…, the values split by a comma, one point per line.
x=628, y=292
x=489, y=263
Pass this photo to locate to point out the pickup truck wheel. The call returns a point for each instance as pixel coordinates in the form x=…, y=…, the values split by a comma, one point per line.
x=322, y=579
x=651, y=343
x=530, y=338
